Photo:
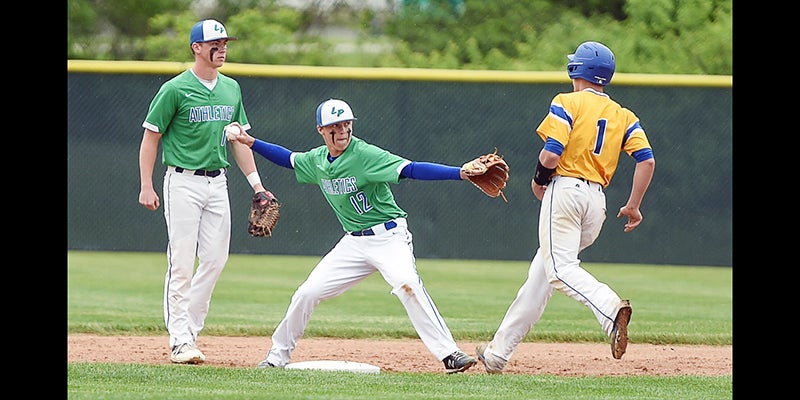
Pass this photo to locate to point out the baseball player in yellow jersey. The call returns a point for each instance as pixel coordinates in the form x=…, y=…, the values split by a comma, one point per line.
x=584, y=133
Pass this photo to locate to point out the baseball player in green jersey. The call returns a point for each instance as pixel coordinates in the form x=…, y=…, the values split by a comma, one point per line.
x=354, y=177
x=188, y=115
x=584, y=133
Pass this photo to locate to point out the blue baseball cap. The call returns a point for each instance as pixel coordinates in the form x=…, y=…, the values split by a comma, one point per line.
x=209, y=30
x=332, y=111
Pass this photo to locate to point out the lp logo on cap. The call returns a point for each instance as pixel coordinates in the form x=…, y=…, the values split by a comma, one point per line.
x=336, y=112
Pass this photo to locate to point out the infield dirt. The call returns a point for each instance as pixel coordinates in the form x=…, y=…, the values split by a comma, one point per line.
x=572, y=359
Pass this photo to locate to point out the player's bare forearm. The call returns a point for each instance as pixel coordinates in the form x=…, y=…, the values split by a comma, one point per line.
x=246, y=162
x=147, y=158
x=548, y=158
x=642, y=175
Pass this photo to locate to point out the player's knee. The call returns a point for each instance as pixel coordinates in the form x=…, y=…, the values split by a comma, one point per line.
x=406, y=289
x=307, y=294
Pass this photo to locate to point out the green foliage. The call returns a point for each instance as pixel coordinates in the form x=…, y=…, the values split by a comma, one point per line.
x=80, y=28
x=130, y=17
x=170, y=40
x=265, y=36
x=647, y=36
x=225, y=9
x=613, y=8
x=699, y=33
x=114, y=29
x=489, y=25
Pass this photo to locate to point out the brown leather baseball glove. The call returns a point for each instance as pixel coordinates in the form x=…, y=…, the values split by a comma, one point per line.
x=264, y=213
x=489, y=173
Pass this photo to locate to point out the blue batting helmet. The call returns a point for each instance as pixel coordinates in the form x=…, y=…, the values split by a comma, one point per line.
x=593, y=62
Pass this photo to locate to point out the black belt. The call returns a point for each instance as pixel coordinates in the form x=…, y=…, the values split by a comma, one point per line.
x=201, y=172
x=369, y=232
x=588, y=182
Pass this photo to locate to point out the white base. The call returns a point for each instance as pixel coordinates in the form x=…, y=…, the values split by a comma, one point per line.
x=330, y=365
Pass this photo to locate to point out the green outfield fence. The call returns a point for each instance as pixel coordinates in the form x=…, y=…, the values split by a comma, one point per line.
x=447, y=116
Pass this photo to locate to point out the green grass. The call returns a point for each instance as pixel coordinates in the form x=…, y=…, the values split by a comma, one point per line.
x=125, y=381
x=115, y=293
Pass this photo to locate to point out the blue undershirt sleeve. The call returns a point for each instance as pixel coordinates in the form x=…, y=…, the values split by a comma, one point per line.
x=428, y=171
x=643, y=154
x=554, y=146
x=273, y=152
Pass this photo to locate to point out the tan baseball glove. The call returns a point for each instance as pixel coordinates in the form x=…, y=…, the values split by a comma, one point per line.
x=489, y=173
x=264, y=213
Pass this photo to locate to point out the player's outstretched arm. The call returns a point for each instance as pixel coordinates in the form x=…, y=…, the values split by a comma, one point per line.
x=429, y=171
x=272, y=152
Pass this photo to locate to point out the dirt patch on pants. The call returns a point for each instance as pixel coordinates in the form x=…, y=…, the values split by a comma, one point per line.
x=572, y=359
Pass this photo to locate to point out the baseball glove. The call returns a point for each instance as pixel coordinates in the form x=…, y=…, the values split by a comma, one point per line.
x=264, y=213
x=489, y=173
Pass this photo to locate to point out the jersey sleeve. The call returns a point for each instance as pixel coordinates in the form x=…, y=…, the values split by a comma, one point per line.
x=305, y=164
x=635, y=138
x=162, y=109
x=557, y=124
x=381, y=165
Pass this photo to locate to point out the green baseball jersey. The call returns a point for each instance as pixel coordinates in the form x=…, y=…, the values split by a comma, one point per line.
x=355, y=184
x=191, y=119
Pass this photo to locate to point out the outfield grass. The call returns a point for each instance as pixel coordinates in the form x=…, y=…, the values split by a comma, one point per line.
x=115, y=293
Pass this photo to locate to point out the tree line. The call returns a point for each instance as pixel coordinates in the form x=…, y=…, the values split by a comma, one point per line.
x=658, y=37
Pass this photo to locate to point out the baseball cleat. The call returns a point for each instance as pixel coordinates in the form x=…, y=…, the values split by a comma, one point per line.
x=492, y=366
x=187, y=353
x=267, y=364
x=619, y=335
x=458, y=362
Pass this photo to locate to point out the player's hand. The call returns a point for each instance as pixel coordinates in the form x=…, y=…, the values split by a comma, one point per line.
x=245, y=139
x=149, y=199
x=634, y=217
x=538, y=190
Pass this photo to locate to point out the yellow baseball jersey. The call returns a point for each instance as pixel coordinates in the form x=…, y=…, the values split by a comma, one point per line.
x=590, y=130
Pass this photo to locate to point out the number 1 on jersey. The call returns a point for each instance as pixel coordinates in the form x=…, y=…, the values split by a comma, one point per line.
x=601, y=132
